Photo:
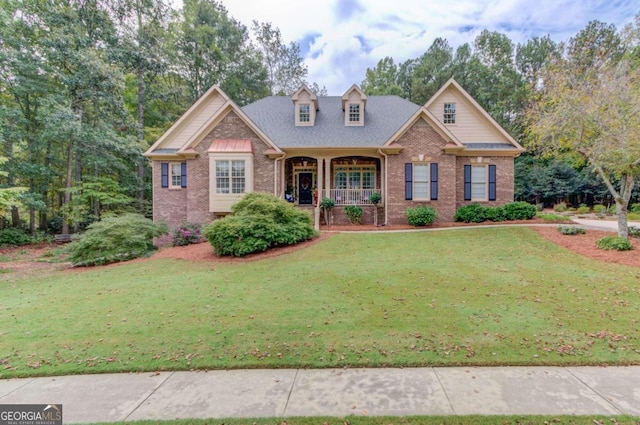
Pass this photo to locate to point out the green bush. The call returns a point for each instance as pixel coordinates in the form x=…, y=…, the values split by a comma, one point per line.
x=12, y=236
x=560, y=207
x=495, y=214
x=472, y=213
x=635, y=208
x=327, y=203
x=614, y=243
x=116, y=239
x=375, y=198
x=599, y=209
x=186, y=234
x=612, y=209
x=259, y=221
x=552, y=217
x=583, y=209
x=354, y=213
x=634, y=232
x=519, y=211
x=571, y=230
x=421, y=216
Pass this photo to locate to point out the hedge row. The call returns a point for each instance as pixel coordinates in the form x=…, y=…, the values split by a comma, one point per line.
x=476, y=213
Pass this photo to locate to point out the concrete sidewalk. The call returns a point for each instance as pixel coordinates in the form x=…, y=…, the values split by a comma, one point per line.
x=335, y=392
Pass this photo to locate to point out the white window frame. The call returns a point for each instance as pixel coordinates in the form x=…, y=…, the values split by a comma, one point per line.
x=426, y=181
x=350, y=112
x=348, y=170
x=302, y=113
x=476, y=182
x=221, y=202
x=175, y=178
x=232, y=181
x=449, y=113
x=354, y=112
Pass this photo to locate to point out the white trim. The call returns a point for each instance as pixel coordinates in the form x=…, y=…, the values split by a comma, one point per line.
x=222, y=202
x=427, y=181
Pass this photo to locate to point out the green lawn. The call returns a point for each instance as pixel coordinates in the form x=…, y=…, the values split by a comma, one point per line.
x=481, y=296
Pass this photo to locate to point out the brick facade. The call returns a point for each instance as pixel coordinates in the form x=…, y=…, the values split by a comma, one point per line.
x=421, y=139
x=191, y=204
x=504, y=180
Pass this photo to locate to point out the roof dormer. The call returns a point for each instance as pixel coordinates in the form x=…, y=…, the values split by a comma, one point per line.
x=305, y=105
x=353, y=103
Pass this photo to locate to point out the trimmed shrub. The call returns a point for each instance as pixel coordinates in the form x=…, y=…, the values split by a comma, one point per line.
x=599, y=209
x=560, y=207
x=571, y=230
x=187, y=234
x=583, y=209
x=519, y=211
x=553, y=217
x=259, y=221
x=13, y=236
x=375, y=198
x=634, y=232
x=421, y=216
x=472, y=213
x=116, y=239
x=614, y=243
x=354, y=213
x=612, y=209
x=495, y=214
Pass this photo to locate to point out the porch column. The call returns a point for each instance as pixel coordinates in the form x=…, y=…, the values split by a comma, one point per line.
x=319, y=179
x=327, y=177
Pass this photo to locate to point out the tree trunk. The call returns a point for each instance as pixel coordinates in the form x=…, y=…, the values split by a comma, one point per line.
x=67, y=192
x=621, y=199
x=623, y=224
x=15, y=217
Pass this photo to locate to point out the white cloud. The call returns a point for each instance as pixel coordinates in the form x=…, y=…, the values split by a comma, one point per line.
x=405, y=29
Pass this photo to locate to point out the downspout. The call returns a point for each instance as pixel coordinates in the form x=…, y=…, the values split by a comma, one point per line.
x=384, y=196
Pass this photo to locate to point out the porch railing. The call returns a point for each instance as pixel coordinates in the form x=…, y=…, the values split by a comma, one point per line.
x=352, y=196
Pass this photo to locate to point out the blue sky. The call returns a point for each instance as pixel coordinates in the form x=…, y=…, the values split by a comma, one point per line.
x=340, y=39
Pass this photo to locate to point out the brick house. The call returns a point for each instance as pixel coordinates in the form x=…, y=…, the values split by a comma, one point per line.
x=446, y=153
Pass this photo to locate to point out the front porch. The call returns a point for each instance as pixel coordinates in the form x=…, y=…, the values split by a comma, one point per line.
x=349, y=180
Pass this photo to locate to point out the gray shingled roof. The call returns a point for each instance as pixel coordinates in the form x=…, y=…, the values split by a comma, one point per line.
x=384, y=115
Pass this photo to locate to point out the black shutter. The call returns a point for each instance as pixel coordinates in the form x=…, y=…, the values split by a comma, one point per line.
x=164, y=171
x=467, y=182
x=492, y=182
x=183, y=174
x=408, y=181
x=434, y=181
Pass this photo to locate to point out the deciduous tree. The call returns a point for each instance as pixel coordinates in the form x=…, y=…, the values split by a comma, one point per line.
x=589, y=104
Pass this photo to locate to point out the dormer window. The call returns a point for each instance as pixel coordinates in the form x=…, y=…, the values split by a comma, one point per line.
x=305, y=106
x=449, y=113
x=304, y=113
x=353, y=104
x=354, y=113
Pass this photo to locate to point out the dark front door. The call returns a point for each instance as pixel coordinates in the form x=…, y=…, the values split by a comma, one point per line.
x=305, y=188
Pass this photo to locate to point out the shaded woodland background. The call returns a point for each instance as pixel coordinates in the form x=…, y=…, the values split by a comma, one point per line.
x=86, y=86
